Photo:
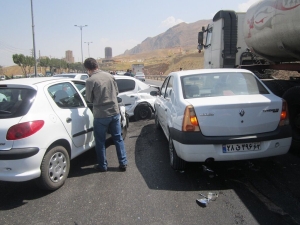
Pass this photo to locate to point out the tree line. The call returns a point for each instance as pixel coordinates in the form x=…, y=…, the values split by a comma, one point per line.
x=55, y=65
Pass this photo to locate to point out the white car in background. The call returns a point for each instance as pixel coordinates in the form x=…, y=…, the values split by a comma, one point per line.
x=140, y=76
x=45, y=122
x=79, y=76
x=221, y=115
x=136, y=97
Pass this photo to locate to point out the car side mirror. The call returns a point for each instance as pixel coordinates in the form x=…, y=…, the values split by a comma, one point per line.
x=119, y=99
x=200, y=41
x=154, y=93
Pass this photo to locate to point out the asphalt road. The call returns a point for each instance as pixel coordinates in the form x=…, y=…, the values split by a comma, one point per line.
x=150, y=192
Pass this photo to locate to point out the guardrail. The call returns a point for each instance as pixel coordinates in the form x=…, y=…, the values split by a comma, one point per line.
x=155, y=77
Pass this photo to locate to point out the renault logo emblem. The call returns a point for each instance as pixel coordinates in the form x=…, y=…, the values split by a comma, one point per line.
x=242, y=112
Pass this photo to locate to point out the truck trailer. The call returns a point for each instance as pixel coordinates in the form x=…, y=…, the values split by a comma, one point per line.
x=265, y=39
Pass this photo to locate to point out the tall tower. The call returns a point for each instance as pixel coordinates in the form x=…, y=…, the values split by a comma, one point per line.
x=108, y=52
x=69, y=56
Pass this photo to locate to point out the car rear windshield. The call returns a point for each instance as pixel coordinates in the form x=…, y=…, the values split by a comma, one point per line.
x=221, y=84
x=15, y=102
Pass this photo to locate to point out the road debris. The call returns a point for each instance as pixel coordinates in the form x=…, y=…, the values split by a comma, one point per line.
x=204, y=201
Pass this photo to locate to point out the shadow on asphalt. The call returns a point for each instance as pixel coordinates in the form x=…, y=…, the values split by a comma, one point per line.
x=266, y=186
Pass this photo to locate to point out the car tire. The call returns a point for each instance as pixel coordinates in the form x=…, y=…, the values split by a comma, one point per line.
x=175, y=161
x=294, y=113
x=55, y=168
x=142, y=112
x=157, y=124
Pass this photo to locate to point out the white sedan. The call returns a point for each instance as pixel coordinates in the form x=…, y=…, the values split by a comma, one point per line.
x=45, y=122
x=140, y=76
x=222, y=115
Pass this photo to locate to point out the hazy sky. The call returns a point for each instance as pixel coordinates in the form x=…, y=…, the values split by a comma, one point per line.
x=119, y=24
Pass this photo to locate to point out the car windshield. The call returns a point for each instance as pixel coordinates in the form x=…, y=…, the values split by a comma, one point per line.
x=220, y=84
x=15, y=102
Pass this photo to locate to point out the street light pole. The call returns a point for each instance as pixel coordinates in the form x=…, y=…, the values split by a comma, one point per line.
x=81, y=26
x=35, y=68
x=88, y=47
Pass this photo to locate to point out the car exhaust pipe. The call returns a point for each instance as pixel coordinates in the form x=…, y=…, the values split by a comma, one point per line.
x=209, y=160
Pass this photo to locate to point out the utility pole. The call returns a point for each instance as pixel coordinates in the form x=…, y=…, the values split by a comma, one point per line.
x=81, y=26
x=88, y=47
x=35, y=69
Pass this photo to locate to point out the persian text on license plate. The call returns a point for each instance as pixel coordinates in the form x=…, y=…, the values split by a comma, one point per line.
x=241, y=147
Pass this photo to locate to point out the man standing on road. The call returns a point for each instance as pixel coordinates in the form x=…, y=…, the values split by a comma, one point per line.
x=102, y=91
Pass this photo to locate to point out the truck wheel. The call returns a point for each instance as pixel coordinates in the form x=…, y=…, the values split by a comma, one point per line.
x=274, y=87
x=54, y=168
x=293, y=101
x=142, y=112
x=175, y=161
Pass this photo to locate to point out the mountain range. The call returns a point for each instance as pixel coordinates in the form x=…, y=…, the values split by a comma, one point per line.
x=182, y=35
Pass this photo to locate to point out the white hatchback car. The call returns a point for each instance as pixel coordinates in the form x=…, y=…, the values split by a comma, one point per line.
x=136, y=96
x=222, y=115
x=45, y=122
x=79, y=76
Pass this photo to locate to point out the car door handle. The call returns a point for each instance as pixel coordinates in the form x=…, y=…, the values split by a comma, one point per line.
x=166, y=110
x=68, y=120
x=132, y=96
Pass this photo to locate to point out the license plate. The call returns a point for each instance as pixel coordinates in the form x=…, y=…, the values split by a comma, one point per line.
x=244, y=147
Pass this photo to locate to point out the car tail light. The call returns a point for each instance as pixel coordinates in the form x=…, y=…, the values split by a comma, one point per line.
x=23, y=130
x=284, y=116
x=190, y=121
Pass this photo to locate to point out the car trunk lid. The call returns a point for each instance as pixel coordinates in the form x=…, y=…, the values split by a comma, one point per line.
x=237, y=115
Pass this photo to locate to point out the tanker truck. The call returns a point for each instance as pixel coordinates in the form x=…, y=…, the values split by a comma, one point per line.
x=264, y=40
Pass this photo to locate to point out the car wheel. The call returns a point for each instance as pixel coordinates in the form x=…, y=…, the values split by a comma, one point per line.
x=54, y=168
x=142, y=112
x=157, y=124
x=175, y=161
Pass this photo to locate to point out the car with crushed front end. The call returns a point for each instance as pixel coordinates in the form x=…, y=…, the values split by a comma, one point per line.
x=136, y=96
x=220, y=115
x=45, y=122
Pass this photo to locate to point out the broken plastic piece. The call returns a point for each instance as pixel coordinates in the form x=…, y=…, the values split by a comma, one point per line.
x=212, y=196
x=203, y=201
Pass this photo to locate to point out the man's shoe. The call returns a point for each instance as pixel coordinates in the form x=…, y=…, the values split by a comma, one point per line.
x=123, y=167
x=99, y=169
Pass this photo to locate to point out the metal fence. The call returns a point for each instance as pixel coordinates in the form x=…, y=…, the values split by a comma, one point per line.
x=156, y=77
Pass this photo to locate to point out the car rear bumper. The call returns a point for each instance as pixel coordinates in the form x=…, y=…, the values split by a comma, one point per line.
x=195, y=147
x=23, y=169
x=18, y=153
x=194, y=138
x=200, y=153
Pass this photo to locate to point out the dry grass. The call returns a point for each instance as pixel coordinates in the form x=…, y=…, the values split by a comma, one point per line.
x=162, y=61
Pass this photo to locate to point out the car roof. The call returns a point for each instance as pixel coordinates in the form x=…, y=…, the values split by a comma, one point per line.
x=202, y=71
x=71, y=74
x=36, y=80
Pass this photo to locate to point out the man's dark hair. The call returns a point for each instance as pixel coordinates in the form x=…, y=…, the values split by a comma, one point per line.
x=90, y=64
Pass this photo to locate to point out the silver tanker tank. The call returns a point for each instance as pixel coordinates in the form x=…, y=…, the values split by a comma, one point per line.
x=272, y=29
